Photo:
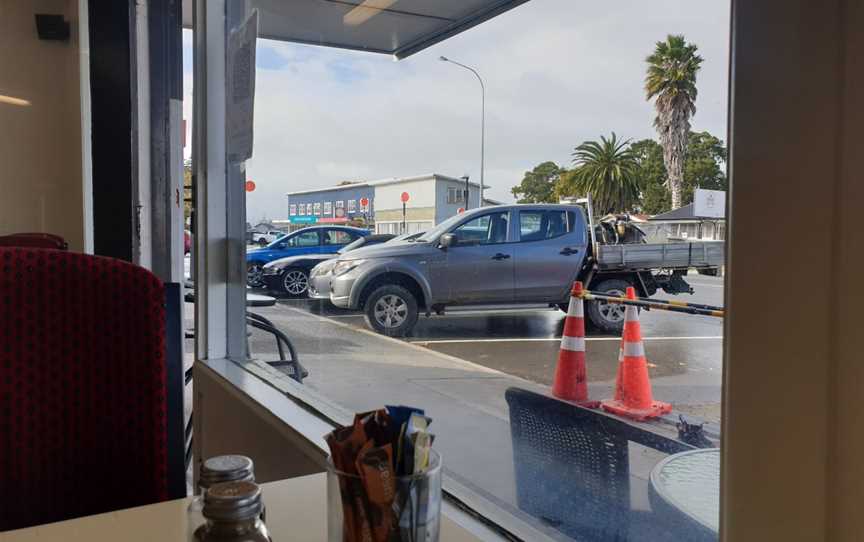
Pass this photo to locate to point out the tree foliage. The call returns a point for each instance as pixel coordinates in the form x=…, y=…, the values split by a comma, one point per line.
x=538, y=185
x=671, y=82
x=606, y=169
x=704, y=167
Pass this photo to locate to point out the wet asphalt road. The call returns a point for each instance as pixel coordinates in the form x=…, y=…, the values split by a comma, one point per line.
x=684, y=351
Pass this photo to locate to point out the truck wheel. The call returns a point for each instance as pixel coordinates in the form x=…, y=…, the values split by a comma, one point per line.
x=391, y=310
x=608, y=317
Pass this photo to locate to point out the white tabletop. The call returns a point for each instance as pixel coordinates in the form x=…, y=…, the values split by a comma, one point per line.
x=690, y=482
x=296, y=511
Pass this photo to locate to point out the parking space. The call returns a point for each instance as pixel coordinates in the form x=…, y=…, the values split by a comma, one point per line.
x=684, y=351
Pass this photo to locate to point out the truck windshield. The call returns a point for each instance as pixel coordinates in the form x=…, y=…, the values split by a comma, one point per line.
x=436, y=232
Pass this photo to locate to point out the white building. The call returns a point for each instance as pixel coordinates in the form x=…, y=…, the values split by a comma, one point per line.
x=431, y=200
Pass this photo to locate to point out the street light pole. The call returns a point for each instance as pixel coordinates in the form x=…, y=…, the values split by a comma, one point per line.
x=482, y=124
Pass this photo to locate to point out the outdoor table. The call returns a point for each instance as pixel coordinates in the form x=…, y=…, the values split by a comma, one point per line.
x=258, y=300
x=296, y=511
x=685, y=491
x=252, y=300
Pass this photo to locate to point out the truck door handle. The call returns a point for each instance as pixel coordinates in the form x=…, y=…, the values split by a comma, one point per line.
x=500, y=256
x=569, y=251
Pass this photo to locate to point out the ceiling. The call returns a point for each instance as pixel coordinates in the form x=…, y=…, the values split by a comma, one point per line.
x=396, y=27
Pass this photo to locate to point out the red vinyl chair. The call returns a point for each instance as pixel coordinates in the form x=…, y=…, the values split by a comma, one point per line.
x=88, y=388
x=34, y=240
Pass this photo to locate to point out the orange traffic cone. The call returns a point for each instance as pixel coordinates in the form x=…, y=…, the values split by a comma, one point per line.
x=571, y=381
x=633, y=398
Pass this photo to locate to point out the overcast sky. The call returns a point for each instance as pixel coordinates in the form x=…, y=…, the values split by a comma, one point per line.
x=557, y=72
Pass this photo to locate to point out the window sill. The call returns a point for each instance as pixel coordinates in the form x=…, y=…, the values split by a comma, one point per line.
x=310, y=416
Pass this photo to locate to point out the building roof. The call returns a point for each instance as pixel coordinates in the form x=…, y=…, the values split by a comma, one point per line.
x=681, y=213
x=380, y=182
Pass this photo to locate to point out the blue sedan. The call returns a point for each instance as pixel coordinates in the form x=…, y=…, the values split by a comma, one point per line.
x=312, y=240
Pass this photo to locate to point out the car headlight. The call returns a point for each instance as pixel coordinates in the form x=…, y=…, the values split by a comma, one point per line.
x=272, y=269
x=323, y=268
x=344, y=266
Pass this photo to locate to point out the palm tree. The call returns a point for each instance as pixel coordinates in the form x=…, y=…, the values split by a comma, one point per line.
x=608, y=171
x=671, y=79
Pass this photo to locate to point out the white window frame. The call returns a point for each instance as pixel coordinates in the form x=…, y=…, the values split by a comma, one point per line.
x=317, y=208
x=292, y=209
x=352, y=205
x=328, y=208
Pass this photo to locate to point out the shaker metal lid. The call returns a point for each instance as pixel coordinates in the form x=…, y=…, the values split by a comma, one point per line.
x=232, y=501
x=225, y=468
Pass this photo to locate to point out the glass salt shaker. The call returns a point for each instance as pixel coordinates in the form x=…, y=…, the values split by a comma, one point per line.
x=219, y=469
x=233, y=514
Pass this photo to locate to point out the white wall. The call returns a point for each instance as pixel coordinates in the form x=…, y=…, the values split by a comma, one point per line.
x=40, y=144
x=793, y=424
x=422, y=193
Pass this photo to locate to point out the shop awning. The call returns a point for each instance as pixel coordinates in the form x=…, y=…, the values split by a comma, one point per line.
x=397, y=27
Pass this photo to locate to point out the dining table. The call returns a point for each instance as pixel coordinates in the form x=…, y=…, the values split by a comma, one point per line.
x=685, y=492
x=296, y=511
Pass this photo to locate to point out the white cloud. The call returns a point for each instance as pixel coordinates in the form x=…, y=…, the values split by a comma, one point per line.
x=557, y=72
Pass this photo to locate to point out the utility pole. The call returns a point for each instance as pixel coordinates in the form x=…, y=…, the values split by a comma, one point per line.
x=482, y=123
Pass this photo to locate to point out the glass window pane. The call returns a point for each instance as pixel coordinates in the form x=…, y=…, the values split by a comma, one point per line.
x=346, y=132
x=484, y=230
x=304, y=239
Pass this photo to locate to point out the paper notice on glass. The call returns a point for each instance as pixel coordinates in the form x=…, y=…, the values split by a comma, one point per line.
x=241, y=88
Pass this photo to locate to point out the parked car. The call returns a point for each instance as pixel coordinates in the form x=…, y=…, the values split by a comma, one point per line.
x=291, y=275
x=506, y=255
x=319, y=276
x=266, y=237
x=312, y=240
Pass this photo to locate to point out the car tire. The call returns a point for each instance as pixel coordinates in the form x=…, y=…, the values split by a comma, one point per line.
x=391, y=310
x=254, y=274
x=262, y=242
x=295, y=282
x=607, y=317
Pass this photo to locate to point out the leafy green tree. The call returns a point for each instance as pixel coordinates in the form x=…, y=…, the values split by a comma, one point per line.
x=606, y=169
x=704, y=167
x=652, y=176
x=538, y=185
x=671, y=79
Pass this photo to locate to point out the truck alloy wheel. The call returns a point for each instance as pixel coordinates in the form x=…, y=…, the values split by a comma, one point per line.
x=607, y=317
x=391, y=310
x=295, y=282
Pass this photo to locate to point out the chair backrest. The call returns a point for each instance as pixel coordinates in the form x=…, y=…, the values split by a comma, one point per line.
x=572, y=469
x=34, y=240
x=83, y=407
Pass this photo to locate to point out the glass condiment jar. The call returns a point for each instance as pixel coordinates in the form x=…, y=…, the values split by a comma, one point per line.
x=219, y=469
x=233, y=513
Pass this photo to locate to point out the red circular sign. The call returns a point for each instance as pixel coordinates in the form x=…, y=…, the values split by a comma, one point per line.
x=405, y=197
x=250, y=186
x=364, y=202
x=460, y=210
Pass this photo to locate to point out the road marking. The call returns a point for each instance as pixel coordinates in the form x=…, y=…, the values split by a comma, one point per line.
x=558, y=339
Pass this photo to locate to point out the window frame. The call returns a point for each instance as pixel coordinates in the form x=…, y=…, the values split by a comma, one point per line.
x=567, y=230
x=292, y=209
x=509, y=239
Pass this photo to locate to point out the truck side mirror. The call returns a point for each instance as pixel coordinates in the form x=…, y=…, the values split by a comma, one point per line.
x=447, y=240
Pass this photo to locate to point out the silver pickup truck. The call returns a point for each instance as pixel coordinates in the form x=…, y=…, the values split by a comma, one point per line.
x=508, y=255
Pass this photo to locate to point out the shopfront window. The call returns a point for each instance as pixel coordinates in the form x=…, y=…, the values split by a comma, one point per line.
x=490, y=289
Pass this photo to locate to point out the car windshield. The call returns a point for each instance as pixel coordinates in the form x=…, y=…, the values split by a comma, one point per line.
x=357, y=243
x=436, y=232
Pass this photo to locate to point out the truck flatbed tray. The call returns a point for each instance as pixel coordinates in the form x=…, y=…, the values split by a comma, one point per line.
x=661, y=255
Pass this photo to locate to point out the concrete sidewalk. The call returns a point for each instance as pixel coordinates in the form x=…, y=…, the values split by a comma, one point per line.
x=360, y=370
